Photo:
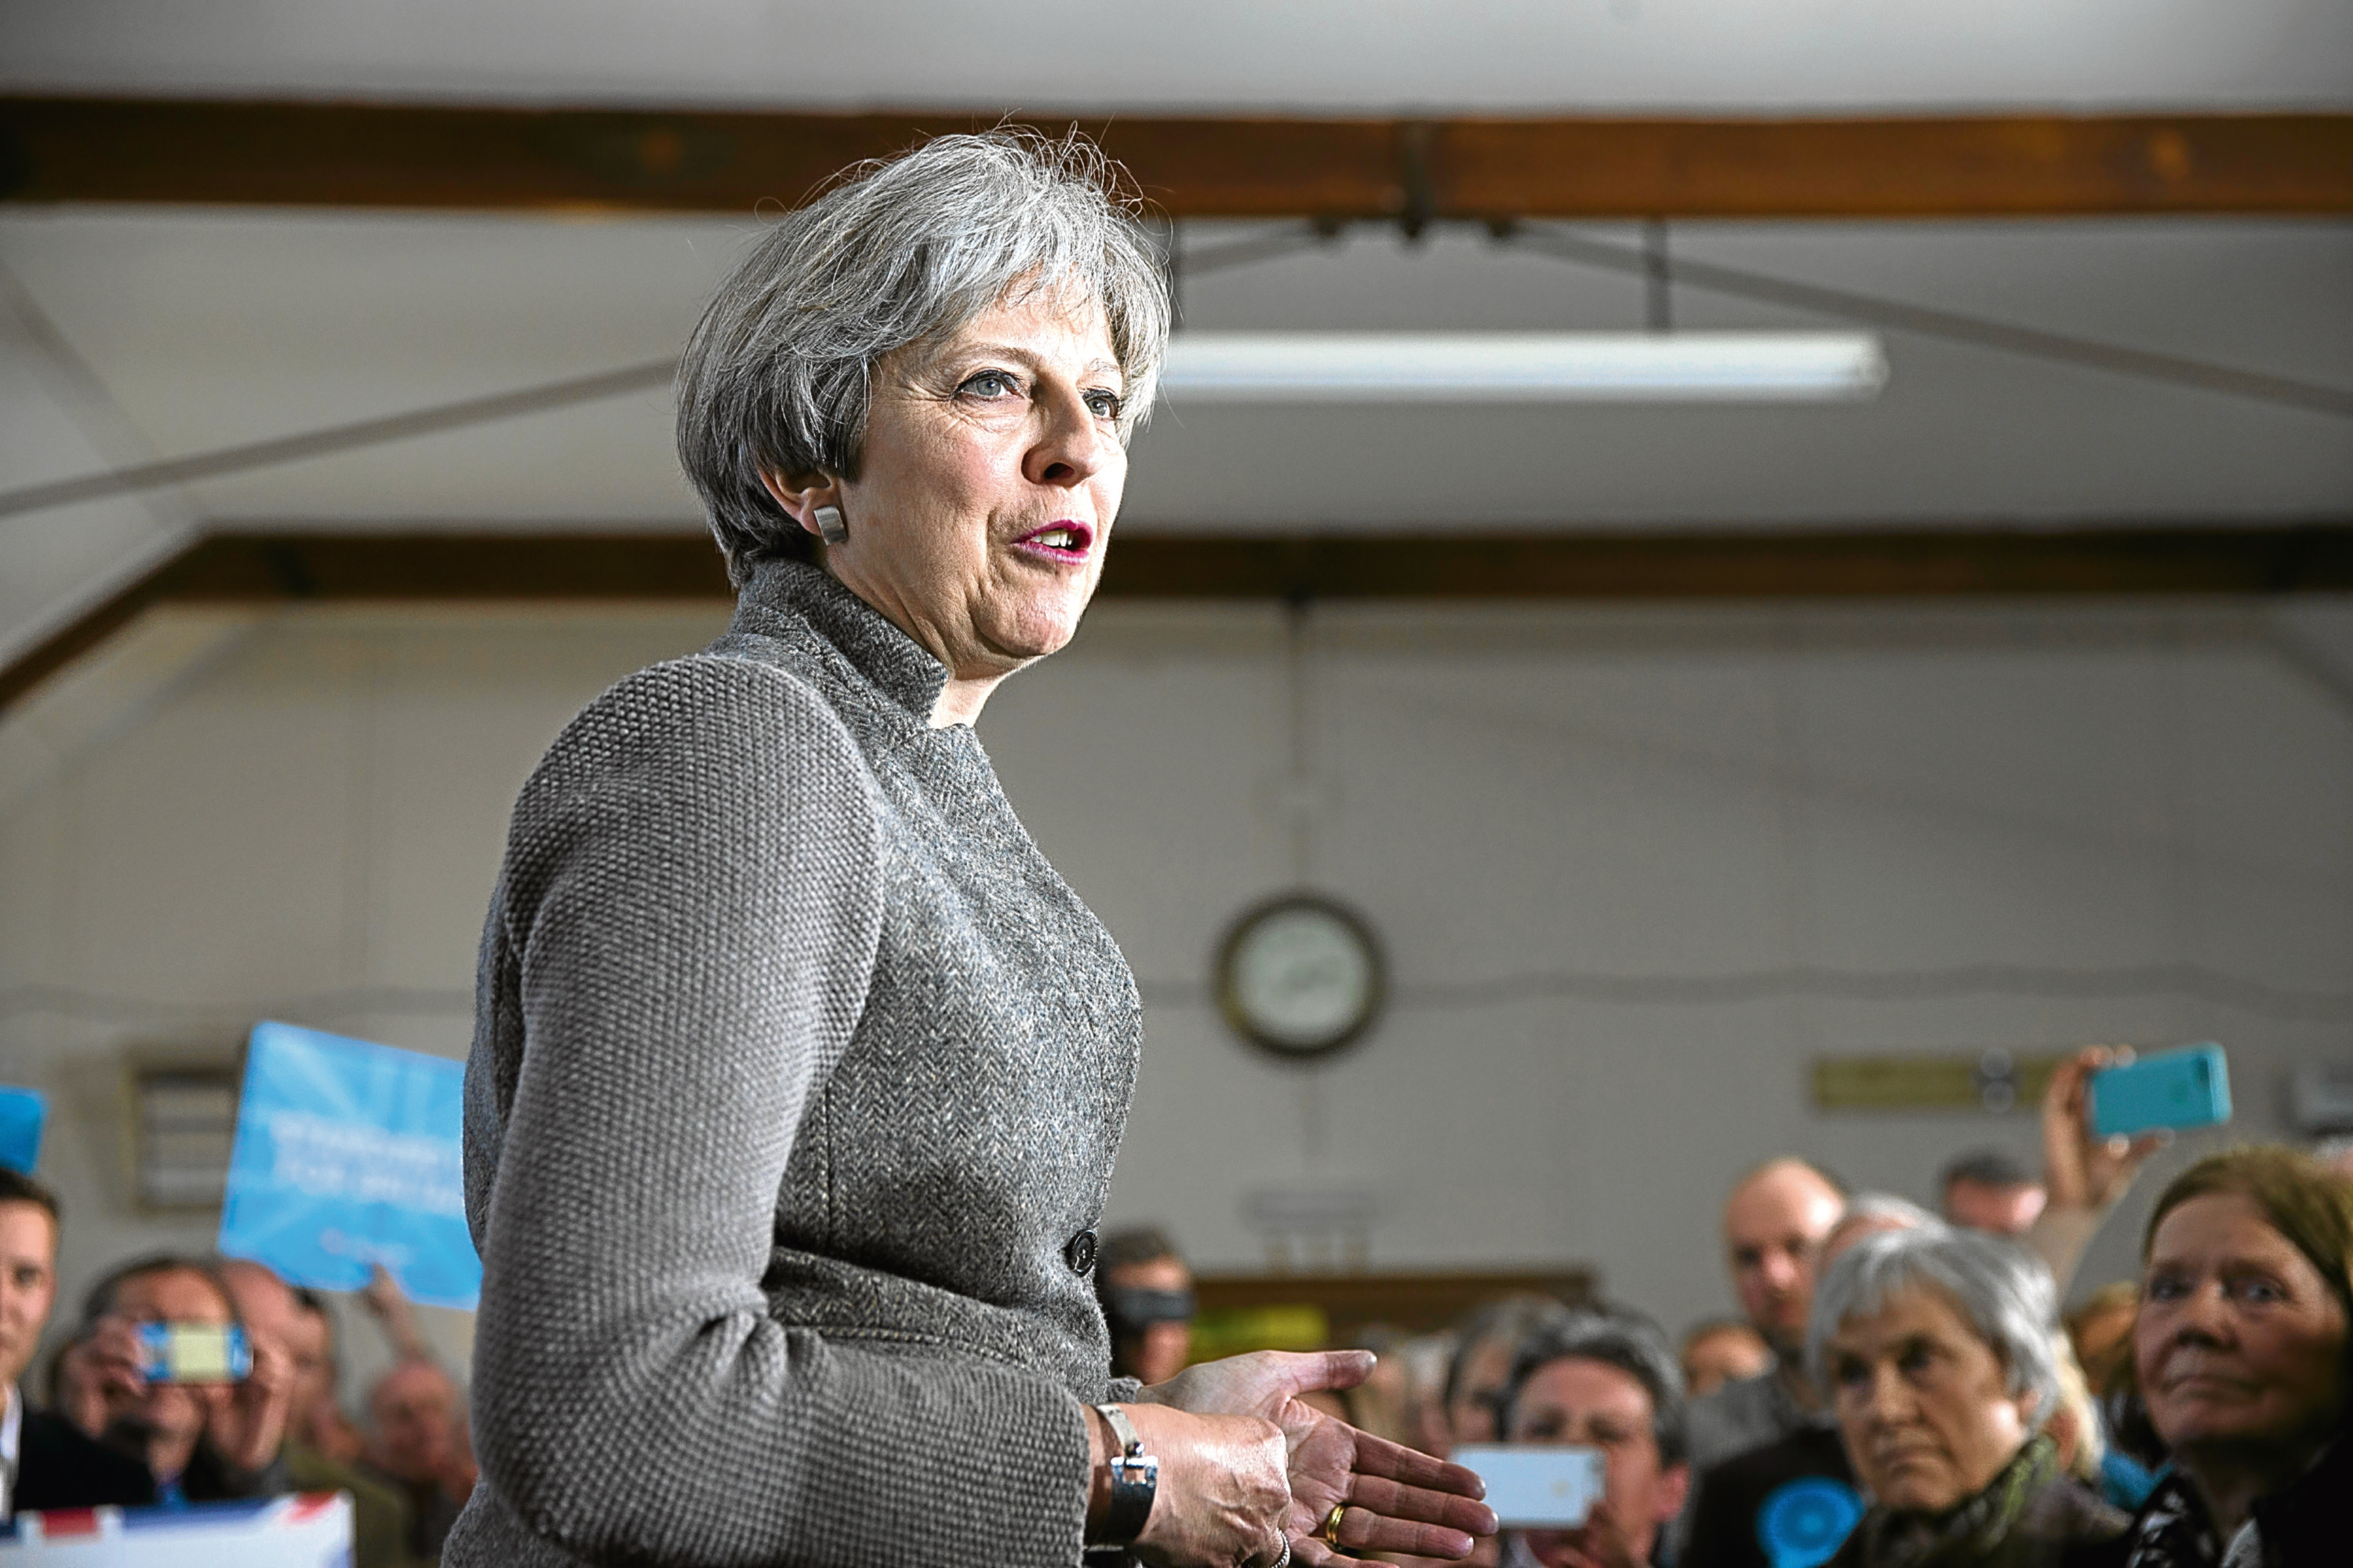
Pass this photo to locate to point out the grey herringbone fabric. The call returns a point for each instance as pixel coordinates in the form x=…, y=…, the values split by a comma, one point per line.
x=796, y=1067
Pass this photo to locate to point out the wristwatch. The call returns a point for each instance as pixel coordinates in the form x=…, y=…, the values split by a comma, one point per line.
x=1134, y=1479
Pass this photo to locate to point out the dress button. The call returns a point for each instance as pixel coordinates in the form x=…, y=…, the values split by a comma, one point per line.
x=1080, y=1253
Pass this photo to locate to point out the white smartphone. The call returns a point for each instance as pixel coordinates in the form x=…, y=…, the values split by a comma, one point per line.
x=1536, y=1488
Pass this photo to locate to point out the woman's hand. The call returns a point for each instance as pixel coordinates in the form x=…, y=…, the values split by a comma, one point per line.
x=1222, y=1500
x=2081, y=1171
x=1394, y=1499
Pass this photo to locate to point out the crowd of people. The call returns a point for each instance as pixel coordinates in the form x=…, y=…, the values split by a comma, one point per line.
x=1902, y=1390
x=112, y=1427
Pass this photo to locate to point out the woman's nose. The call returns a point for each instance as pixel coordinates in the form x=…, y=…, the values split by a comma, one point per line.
x=2205, y=1315
x=1071, y=449
x=1890, y=1401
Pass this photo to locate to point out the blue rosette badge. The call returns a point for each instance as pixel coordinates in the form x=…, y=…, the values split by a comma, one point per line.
x=1805, y=1522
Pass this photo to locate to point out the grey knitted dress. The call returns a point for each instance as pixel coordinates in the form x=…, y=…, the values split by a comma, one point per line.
x=797, y=1080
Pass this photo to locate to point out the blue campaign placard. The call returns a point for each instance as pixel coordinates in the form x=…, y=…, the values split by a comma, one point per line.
x=347, y=1155
x=22, y=1113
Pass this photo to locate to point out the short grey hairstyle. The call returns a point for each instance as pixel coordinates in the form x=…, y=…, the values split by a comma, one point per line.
x=1885, y=1208
x=2001, y=1291
x=777, y=376
x=1623, y=1339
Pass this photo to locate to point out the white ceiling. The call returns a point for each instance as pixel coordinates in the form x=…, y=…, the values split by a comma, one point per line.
x=179, y=331
x=210, y=329
x=1374, y=55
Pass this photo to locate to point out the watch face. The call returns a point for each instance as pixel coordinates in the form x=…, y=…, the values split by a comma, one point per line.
x=1300, y=977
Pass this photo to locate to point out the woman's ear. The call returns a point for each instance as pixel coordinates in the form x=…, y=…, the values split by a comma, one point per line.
x=801, y=494
x=1674, y=1488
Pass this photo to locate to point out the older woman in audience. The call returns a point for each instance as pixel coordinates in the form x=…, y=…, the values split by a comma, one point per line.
x=2241, y=1351
x=1936, y=1347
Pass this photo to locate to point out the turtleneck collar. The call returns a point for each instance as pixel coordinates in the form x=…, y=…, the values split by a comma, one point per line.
x=891, y=661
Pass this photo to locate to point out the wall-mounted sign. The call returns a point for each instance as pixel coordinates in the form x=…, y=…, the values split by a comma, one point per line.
x=1993, y=1080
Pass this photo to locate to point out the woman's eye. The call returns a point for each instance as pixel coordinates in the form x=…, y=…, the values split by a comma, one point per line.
x=990, y=384
x=1915, y=1360
x=1103, y=405
x=1849, y=1374
x=2260, y=1291
x=2164, y=1287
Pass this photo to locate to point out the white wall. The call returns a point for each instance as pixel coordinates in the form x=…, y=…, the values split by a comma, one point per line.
x=1684, y=842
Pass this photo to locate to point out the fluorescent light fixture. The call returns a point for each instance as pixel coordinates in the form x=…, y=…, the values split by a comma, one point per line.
x=1520, y=366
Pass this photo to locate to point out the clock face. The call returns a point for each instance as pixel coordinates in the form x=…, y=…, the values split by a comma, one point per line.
x=1300, y=977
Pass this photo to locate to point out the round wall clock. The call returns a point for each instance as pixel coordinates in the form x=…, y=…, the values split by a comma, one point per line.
x=1300, y=977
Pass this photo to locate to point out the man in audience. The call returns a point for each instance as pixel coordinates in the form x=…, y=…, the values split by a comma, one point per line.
x=202, y=1441
x=380, y=1524
x=319, y=1420
x=414, y=1444
x=1604, y=1380
x=1722, y=1351
x=1146, y=1293
x=1991, y=1190
x=1744, y=1500
x=1774, y=1223
x=45, y=1461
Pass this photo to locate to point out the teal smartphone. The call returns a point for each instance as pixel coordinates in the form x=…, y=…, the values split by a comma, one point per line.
x=2184, y=1089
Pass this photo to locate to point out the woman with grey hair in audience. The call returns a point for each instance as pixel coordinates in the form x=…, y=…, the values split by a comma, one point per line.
x=797, y=1071
x=1935, y=1348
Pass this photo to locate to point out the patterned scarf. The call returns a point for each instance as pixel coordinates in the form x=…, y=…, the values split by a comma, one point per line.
x=1971, y=1532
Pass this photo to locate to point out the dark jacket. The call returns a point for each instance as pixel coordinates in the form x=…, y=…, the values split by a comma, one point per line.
x=2030, y=1515
x=1728, y=1518
x=58, y=1467
x=2308, y=1525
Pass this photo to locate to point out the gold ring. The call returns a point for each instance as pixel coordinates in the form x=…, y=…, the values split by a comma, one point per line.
x=1330, y=1533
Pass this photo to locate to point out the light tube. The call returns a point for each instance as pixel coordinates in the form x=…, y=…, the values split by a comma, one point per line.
x=1534, y=367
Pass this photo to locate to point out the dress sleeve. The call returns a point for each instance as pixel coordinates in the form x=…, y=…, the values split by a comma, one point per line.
x=688, y=919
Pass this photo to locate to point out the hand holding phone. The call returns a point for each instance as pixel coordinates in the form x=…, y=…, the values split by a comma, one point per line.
x=2171, y=1090
x=194, y=1352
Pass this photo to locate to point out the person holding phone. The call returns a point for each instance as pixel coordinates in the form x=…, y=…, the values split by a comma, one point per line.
x=1605, y=1384
x=203, y=1435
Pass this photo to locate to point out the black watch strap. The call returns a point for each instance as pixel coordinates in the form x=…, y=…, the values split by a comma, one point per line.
x=1134, y=1480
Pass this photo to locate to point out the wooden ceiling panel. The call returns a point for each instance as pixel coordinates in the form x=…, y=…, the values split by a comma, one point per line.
x=253, y=567
x=386, y=155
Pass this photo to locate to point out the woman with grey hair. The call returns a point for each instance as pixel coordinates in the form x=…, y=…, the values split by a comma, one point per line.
x=1935, y=1346
x=797, y=1071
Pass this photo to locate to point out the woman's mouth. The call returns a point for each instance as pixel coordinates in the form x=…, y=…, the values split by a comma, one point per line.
x=1065, y=541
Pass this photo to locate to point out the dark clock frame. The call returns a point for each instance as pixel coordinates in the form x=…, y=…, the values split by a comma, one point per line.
x=1229, y=1004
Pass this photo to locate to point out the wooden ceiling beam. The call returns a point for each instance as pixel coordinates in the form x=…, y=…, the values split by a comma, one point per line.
x=394, y=155
x=1912, y=563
